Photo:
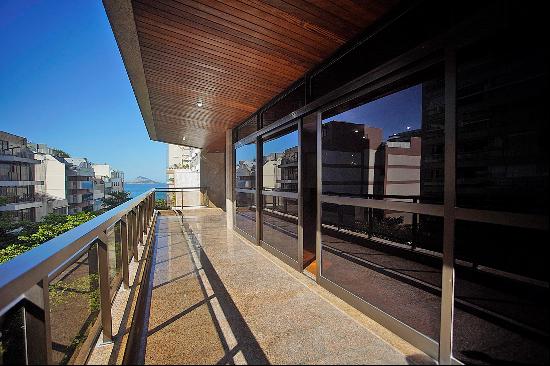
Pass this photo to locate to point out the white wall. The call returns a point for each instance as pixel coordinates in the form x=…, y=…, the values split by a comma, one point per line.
x=102, y=170
x=183, y=178
x=52, y=172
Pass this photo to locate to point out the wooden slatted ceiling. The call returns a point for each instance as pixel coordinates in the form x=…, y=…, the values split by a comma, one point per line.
x=235, y=56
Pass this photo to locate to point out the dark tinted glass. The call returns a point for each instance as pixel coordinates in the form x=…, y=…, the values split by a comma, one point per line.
x=390, y=259
x=247, y=128
x=288, y=104
x=502, y=125
x=245, y=169
x=389, y=43
x=245, y=213
x=280, y=224
x=501, y=294
x=390, y=147
x=280, y=165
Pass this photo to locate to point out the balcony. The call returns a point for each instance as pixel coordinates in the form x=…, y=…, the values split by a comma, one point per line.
x=18, y=154
x=191, y=291
x=15, y=203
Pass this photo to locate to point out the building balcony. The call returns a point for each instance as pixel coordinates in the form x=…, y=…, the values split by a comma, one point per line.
x=19, y=183
x=18, y=154
x=21, y=205
x=198, y=293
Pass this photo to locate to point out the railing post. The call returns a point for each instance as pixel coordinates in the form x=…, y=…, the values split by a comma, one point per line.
x=141, y=222
x=125, y=254
x=104, y=288
x=135, y=235
x=37, y=325
x=138, y=224
x=147, y=212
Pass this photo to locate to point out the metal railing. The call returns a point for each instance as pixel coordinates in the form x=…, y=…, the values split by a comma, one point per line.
x=73, y=276
x=185, y=196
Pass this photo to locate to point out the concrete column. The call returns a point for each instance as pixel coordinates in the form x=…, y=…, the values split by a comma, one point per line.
x=229, y=177
x=213, y=178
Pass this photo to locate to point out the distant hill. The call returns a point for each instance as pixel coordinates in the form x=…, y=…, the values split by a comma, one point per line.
x=142, y=180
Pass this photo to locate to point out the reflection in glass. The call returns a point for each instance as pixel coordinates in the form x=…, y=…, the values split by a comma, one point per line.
x=504, y=296
x=502, y=126
x=289, y=103
x=245, y=213
x=280, y=165
x=388, y=148
x=390, y=259
x=247, y=128
x=245, y=169
x=501, y=294
x=280, y=224
x=74, y=307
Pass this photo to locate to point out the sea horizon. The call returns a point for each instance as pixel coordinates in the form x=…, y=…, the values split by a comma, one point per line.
x=136, y=189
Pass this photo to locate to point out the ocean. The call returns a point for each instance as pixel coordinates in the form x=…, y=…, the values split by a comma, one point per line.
x=136, y=189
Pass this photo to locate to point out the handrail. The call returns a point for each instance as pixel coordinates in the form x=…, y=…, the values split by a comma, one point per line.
x=177, y=189
x=29, y=268
x=26, y=279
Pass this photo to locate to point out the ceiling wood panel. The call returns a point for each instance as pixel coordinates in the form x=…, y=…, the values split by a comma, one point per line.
x=233, y=55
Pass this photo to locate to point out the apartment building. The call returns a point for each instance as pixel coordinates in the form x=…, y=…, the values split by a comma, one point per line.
x=80, y=175
x=105, y=181
x=183, y=168
x=54, y=191
x=420, y=131
x=18, y=182
x=183, y=171
x=117, y=181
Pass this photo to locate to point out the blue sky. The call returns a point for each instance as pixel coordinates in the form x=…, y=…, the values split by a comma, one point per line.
x=63, y=83
x=393, y=113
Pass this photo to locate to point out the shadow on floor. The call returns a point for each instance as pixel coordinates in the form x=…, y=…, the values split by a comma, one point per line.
x=246, y=342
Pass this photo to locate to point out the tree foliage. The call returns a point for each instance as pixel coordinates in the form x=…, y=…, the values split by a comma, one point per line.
x=161, y=204
x=38, y=233
x=114, y=199
x=60, y=153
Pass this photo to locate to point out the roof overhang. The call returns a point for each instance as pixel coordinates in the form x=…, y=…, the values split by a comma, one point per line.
x=233, y=56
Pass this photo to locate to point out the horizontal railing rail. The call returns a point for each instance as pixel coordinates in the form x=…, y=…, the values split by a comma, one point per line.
x=95, y=264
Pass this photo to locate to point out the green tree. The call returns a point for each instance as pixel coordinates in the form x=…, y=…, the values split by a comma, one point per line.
x=32, y=236
x=114, y=199
x=60, y=153
x=161, y=204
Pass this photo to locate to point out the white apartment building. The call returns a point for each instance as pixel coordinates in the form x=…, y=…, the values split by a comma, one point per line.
x=183, y=170
x=53, y=192
x=106, y=180
x=183, y=166
x=80, y=174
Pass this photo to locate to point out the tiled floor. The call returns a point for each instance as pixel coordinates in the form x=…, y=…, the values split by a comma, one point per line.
x=217, y=299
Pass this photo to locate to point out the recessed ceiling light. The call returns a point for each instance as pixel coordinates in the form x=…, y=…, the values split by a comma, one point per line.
x=199, y=103
x=183, y=138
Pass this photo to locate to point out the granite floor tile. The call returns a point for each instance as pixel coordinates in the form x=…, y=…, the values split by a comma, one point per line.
x=217, y=299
